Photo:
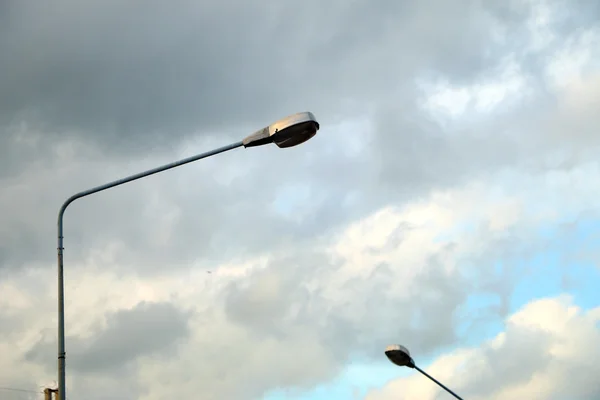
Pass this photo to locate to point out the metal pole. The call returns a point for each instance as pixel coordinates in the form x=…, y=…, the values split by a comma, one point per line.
x=438, y=382
x=61, y=212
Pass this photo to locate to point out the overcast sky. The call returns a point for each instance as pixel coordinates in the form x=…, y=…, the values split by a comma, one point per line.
x=448, y=203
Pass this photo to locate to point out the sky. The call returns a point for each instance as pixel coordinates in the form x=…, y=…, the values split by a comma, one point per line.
x=448, y=202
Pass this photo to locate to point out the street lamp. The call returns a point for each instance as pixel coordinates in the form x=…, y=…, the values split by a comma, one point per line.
x=400, y=356
x=287, y=132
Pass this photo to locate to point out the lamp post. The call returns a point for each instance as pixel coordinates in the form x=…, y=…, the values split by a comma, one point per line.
x=287, y=132
x=400, y=356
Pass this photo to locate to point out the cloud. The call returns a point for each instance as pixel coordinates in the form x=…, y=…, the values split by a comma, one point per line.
x=128, y=334
x=132, y=79
x=402, y=272
x=389, y=153
x=164, y=70
x=544, y=352
x=382, y=226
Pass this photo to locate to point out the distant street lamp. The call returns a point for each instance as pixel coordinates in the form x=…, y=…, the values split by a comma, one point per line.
x=400, y=356
x=287, y=132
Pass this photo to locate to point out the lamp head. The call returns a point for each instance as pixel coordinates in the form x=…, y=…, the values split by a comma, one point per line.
x=399, y=355
x=287, y=132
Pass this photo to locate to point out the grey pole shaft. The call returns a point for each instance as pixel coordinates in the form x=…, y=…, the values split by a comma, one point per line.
x=61, y=288
x=438, y=382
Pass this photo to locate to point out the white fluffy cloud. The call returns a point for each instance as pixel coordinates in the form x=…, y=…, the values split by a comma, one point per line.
x=548, y=350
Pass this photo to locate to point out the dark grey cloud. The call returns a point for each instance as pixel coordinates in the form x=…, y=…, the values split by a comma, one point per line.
x=146, y=329
x=115, y=83
x=136, y=76
x=222, y=220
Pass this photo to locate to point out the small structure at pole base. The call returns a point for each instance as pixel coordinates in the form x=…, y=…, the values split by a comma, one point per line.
x=48, y=393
